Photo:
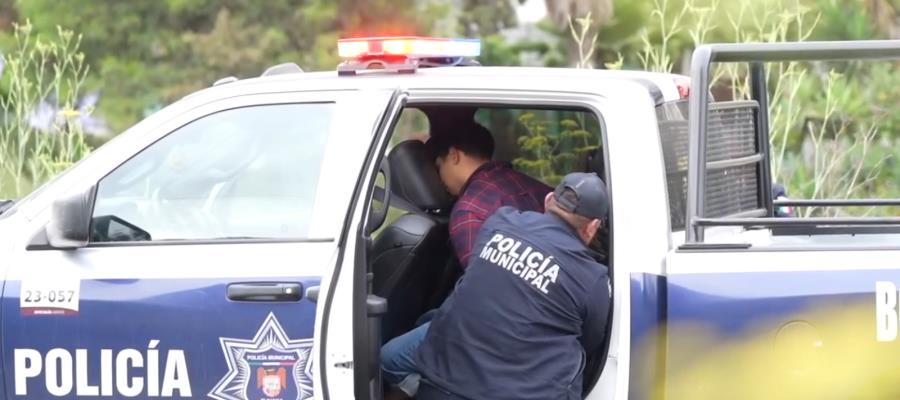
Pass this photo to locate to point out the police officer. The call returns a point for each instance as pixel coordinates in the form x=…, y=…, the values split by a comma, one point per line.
x=531, y=305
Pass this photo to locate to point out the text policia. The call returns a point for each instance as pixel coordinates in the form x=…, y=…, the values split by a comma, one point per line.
x=121, y=373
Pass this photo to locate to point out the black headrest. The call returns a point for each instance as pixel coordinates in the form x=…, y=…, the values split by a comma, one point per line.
x=594, y=163
x=415, y=178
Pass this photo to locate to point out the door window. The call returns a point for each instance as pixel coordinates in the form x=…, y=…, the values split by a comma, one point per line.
x=247, y=172
x=546, y=144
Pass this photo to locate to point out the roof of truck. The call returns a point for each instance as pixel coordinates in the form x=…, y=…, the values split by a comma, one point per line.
x=662, y=87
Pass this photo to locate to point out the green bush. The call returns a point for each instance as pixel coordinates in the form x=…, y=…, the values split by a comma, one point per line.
x=833, y=126
x=555, y=143
x=38, y=69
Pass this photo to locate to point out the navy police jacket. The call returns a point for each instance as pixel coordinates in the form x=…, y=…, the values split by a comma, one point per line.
x=518, y=324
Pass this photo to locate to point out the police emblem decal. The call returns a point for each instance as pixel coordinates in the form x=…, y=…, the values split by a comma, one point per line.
x=268, y=367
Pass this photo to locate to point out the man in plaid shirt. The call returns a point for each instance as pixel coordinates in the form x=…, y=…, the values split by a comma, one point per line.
x=463, y=159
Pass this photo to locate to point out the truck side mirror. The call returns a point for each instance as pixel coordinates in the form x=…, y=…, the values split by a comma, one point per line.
x=70, y=220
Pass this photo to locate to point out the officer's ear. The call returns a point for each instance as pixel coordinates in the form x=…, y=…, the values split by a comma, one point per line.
x=548, y=200
x=590, y=230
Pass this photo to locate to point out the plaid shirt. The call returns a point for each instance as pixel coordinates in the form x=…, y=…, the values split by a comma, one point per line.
x=491, y=186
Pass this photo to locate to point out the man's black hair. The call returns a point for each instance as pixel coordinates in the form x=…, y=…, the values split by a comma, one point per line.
x=470, y=138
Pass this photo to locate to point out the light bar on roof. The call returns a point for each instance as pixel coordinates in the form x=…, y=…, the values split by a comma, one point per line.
x=411, y=46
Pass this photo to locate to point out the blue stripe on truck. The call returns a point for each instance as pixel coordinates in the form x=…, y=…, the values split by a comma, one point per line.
x=712, y=318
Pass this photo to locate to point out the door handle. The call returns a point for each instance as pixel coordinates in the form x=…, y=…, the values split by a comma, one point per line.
x=265, y=291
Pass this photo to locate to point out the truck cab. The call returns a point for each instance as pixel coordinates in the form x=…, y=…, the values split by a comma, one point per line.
x=263, y=237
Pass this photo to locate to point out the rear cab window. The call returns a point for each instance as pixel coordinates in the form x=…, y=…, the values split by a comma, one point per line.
x=732, y=186
x=545, y=144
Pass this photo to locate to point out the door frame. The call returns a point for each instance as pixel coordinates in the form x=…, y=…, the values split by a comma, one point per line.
x=341, y=328
x=614, y=376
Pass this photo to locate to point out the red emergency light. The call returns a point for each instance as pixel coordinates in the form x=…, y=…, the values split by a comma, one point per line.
x=409, y=47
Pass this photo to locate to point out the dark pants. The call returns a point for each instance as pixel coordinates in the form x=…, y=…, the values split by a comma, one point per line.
x=427, y=391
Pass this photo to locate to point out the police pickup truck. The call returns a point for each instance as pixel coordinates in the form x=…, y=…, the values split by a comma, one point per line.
x=262, y=238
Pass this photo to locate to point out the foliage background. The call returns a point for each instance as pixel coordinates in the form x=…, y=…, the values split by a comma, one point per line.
x=142, y=55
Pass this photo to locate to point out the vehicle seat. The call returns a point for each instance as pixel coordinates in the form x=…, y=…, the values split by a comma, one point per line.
x=409, y=255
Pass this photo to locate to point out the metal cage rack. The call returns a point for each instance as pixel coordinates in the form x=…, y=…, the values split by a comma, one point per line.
x=704, y=169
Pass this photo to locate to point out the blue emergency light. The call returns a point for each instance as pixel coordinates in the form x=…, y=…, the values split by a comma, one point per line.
x=403, y=54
